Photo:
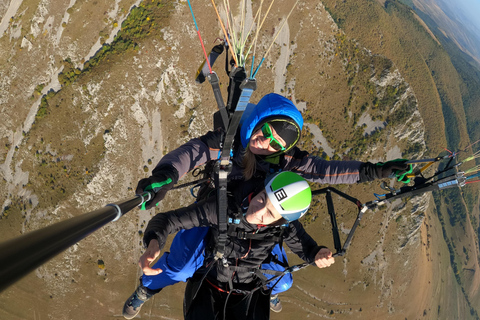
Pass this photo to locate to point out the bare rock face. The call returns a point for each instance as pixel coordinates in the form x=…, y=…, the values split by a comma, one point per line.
x=86, y=115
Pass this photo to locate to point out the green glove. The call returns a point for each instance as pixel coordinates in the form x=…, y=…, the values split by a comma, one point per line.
x=393, y=168
x=158, y=184
x=381, y=170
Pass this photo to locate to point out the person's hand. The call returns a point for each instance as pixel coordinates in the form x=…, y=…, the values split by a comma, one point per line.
x=152, y=253
x=324, y=258
x=391, y=168
x=380, y=170
x=159, y=184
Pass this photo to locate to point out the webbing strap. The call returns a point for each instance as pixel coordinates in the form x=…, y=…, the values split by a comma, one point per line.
x=237, y=75
x=260, y=273
x=221, y=174
x=213, y=79
x=224, y=165
x=240, y=234
x=256, y=270
x=248, y=86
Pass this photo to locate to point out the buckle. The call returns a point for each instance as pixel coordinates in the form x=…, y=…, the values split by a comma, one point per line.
x=242, y=235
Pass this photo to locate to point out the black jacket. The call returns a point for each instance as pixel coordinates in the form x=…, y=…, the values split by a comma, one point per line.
x=199, y=151
x=246, y=253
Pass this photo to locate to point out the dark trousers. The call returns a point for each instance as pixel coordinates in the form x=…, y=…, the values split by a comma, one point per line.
x=203, y=301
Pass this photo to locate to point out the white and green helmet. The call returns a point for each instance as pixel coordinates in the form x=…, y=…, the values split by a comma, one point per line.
x=290, y=194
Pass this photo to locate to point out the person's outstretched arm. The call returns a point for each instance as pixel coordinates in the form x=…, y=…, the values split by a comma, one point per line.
x=177, y=163
x=202, y=214
x=303, y=245
x=192, y=154
x=319, y=170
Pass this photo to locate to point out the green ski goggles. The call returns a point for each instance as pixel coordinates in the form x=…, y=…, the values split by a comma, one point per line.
x=268, y=134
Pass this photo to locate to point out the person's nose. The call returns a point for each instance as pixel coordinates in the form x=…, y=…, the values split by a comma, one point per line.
x=259, y=215
x=264, y=141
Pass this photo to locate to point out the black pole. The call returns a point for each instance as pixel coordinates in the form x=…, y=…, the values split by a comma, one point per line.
x=333, y=220
x=346, y=244
x=340, y=250
x=23, y=254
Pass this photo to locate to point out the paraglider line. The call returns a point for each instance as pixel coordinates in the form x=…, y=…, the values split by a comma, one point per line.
x=224, y=32
x=230, y=23
x=251, y=69
x=259, y=65
x=473, y=176
x=250, y=30
x=258, y=14
x=468, y=182
x=471, y=145
x=200, y=37
x=275, y=38
x=259, y=27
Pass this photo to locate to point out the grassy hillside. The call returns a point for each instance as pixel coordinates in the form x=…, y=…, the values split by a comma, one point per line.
x=393, y=31
x=469, y=73
x=446, y=86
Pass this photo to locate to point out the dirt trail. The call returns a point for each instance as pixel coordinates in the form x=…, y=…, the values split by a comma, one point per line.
x=283, y=41
x=11, y=11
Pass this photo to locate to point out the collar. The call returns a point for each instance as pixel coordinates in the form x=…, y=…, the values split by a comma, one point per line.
x=246, y=203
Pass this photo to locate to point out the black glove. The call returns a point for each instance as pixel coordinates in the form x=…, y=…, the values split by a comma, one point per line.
x=161, y=181
x=380, y=170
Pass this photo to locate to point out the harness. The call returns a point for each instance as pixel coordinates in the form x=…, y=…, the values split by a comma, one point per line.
x=215, y=176
x=234, y=231
x=274, y=234
x=224, y=165
x=271, y=235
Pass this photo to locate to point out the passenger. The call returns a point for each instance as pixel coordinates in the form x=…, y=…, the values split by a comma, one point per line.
x=265, y=216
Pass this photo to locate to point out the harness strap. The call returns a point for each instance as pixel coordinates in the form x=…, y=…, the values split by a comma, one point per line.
x=221, y=173
x=255, y=270
x=220, y=289
x=237, y=75
x=248, y=86
x=224, y=166
x=240, y=234
x=274, y=258
x=213, y=79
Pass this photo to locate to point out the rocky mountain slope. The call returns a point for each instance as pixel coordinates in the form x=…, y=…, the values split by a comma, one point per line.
x=84, y=122
x=454, y=22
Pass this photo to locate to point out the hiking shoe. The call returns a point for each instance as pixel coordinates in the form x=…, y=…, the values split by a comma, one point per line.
x=133, y=304
x=275, y=303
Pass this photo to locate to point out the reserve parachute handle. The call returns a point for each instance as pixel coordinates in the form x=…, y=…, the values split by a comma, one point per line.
x=21, y=255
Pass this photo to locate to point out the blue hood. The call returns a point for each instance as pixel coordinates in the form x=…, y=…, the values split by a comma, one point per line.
x=269, y=106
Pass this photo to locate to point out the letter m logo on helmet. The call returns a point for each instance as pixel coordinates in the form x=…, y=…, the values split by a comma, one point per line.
x=290, y=194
